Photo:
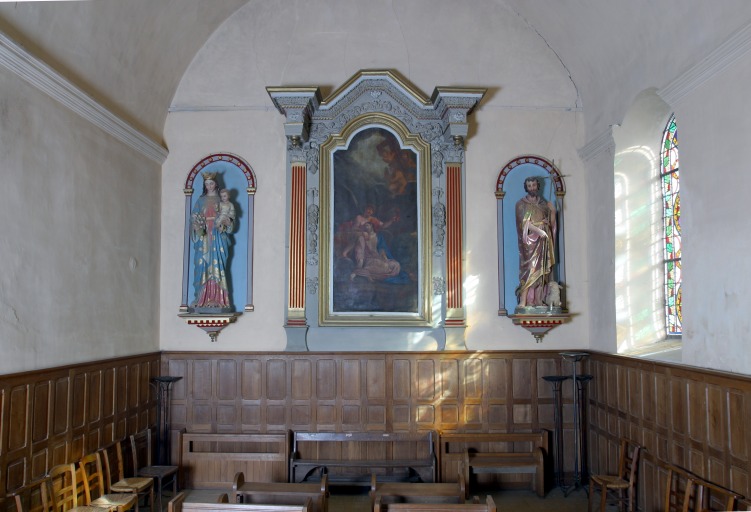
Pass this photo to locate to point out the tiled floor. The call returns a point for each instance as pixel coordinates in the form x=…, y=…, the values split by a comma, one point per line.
x=506, y=501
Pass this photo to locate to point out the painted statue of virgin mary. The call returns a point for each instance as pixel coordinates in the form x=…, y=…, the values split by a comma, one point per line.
x=212, y=222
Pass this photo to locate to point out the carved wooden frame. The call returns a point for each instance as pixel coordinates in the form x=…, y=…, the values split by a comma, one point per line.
x=422, y=315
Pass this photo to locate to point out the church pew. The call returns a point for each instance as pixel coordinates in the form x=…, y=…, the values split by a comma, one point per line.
x=178, y=504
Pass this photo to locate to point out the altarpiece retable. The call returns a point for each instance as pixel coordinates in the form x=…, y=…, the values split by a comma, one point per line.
x=375, y=214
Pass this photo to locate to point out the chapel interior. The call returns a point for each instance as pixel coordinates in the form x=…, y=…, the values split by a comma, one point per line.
x=114, y=116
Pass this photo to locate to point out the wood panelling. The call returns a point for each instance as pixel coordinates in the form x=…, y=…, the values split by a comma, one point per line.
x=56, y=415
x=18, y=414
x=684, y=416
x=371, y=391
x=688, y=417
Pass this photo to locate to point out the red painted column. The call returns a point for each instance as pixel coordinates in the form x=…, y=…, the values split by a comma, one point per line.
x=454, y=246
x=296, y=303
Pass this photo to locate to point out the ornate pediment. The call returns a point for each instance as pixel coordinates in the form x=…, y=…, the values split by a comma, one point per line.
x=444, y=114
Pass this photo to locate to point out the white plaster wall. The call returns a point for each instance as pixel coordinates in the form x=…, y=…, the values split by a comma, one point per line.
x=614, y=50
x=77, y=207
x=222, y=105
x=714, y=130
x=600, y=239
x=501, y=136
x=324, y=42
x=129, y=55
x=714, y=120
x=639, y=228
x=258, y=138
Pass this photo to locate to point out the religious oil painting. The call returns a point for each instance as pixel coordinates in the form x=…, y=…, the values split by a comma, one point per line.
x=376, y=229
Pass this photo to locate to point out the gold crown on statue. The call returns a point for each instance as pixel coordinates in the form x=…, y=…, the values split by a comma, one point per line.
x=207, y=175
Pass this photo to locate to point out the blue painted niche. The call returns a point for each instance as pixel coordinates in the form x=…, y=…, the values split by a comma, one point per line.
x=235, y=174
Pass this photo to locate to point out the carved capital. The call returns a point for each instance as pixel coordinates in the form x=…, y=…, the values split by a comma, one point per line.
x=454, y=105
x=297, y=104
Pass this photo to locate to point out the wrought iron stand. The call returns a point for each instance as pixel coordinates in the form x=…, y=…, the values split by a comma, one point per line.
x=162, y=385
x=581, y=385
x=575, y=357
x=556, y=381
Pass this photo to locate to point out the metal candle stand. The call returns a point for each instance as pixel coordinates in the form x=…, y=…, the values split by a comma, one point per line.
x=581, y=388
x=578, y=385
x=162, y=385
x=556, y=381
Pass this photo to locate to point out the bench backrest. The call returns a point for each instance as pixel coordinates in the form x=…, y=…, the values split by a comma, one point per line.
x=488, y=506
x=426, y=438
x=529, y=440
x=209, y=461
x=320, y=488
x=178, y=504
x=454, y=446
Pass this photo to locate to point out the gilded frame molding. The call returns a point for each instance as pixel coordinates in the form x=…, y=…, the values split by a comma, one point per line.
x=340, y=141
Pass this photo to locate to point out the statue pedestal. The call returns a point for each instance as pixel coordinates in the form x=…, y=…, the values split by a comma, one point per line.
x=212, y=324
x=538, y=324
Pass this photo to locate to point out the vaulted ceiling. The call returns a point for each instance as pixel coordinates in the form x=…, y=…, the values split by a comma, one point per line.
x=130, y=55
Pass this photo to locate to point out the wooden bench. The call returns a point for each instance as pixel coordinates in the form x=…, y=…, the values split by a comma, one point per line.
x=407, y=492
x=282, y=493
x=178, y=504
x=488, y=506
x=209, y=461
x=351, y=457
x=499, y=453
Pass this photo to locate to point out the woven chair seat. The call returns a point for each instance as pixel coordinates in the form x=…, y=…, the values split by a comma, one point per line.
x=115, y=500
x=131, y=484
x=157, y=471
x=612, y=481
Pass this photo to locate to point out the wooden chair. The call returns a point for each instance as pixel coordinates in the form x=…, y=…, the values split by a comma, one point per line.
x=67, y=495
x=713, y=498
x=118, y=481
x=90, y=467
x=621, y=487
x=743, y=504
x=679, y=490
x=142, y=450
x=35, y=497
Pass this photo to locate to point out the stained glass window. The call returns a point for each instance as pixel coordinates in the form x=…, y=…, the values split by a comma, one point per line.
x=671, y=207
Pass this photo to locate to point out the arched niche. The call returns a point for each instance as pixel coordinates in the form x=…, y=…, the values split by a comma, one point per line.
x=234, y=174
x=509, y=190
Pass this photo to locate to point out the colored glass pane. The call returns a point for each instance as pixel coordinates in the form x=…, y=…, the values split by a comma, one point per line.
x=669, y=179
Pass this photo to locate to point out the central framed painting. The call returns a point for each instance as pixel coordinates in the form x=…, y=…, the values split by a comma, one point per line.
x=375, y=225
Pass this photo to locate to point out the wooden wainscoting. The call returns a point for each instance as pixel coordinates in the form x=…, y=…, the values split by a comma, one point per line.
x=366, y=391
x=57, y=415
x=697, y=419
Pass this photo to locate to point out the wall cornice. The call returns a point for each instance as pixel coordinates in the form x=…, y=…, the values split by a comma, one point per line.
x=723, y=56
x=598, y=145
x=34, y=71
